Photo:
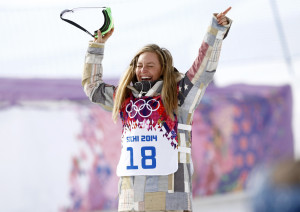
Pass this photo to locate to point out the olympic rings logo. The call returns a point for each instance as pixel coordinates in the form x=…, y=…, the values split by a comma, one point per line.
x=132, y=109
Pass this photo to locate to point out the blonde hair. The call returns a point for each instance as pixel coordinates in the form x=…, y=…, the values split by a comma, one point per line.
x=169, y=76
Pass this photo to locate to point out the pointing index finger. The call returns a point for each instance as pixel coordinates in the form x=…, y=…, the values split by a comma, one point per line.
x=226, y=11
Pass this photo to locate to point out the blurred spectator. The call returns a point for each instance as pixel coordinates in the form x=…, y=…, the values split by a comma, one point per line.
x=277, y=188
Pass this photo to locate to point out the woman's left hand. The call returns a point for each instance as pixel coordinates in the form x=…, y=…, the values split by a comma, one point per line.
x=221, y=17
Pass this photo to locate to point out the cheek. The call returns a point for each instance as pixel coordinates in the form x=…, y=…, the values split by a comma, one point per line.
x=136, y=73
x=158, y=73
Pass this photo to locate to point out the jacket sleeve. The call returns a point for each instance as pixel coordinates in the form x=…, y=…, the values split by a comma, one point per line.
x=192, y=86
x=93, y=85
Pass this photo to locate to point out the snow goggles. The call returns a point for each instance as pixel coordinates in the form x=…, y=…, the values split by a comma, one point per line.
x=106, y=27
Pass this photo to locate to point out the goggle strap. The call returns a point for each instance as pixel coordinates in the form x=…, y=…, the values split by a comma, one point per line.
x=75, y=24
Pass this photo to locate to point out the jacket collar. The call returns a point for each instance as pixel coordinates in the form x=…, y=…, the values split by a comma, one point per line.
x=145, y=89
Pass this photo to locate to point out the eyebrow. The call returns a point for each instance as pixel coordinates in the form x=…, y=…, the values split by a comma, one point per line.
x=146, y=63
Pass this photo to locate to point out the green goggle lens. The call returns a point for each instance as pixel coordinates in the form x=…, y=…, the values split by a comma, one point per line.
x=108, y=22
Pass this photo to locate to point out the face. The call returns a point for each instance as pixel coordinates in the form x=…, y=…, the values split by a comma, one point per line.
x=148, y=67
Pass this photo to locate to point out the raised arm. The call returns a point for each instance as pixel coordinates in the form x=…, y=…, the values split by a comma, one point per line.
x=197, y=78
x=93, y=85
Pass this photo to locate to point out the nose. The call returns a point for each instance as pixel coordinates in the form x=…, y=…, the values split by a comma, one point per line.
x=143, y=69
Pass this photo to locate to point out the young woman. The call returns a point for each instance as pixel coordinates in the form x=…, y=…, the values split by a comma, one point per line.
x=156, y=105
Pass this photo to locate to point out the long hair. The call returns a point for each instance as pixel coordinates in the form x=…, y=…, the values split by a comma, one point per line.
x=169, y=76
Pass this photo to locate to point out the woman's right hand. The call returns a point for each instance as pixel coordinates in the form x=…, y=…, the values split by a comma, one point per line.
x=221, y=17
x=104, y=38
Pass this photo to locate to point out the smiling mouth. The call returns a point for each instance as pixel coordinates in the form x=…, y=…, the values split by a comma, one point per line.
x=146, y=78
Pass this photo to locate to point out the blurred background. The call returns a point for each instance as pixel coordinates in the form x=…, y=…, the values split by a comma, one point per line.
x=59, y=152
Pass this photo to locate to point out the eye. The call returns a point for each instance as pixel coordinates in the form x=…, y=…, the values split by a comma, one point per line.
x=151, y=66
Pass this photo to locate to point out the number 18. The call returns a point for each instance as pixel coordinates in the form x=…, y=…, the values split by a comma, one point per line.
x=144, y=158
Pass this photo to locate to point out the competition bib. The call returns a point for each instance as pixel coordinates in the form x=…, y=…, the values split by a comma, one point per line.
x=149, y=140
